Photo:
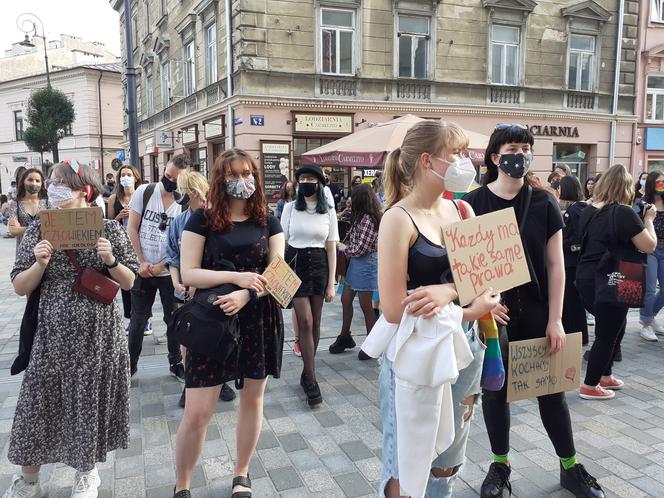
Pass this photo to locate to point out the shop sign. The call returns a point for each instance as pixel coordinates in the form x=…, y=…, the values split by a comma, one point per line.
x=149, y=145
x=275, y=161
x=20, y=159
x=190, y=135
x=323, y=123
x=213, y=128
x=554, y=131
x=164, y=138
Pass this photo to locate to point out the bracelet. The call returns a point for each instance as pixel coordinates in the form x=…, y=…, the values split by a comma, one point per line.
x=114, y=264
x=253, y=295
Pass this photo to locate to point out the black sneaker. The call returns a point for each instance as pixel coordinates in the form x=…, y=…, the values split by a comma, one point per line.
x=578, y=482
x=314, y=396
x=363, y=356
x=227, y=393
x=342, y=343
x=496, y=480
x=177, y=371
x=182, y=399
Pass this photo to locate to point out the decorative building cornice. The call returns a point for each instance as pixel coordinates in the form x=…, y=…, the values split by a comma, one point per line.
x=526, y=6
x=589, y=10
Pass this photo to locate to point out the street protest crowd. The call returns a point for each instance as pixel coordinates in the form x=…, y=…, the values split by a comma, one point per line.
x=579, y=254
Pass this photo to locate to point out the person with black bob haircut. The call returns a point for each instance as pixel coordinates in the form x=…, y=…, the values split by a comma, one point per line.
x=534, y=309
x=572, y=205
x=310, y=228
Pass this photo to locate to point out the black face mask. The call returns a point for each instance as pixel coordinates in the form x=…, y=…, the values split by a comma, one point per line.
x=308, y=189
x=183, y=200
x=169, y=185
x=515, y=165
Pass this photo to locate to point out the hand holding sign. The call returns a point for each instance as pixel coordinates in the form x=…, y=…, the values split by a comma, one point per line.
x=484, y=252
x=282, y=282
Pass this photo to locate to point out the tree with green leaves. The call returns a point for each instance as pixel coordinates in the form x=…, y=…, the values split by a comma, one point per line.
x=50, y=112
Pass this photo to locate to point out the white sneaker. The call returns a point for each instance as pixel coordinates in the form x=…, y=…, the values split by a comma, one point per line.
x=148, y=328
x=21, y=489
x=590, y=320
x=86, y=484
x=657, y=327
x=648, y=334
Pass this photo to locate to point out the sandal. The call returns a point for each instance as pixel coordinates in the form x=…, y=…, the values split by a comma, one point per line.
x=241, y=481
x=183, y=493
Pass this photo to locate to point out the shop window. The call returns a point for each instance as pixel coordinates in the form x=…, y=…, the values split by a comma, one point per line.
x=211, y=53
x=655, y=165
x=657, y=10
x=189, y=69
x=217, y=149
x=505, y=47
x=655, y=99
x=337, y=34
x=302, y=145
x=413, y=49
x=581, y=64
x=574, y=156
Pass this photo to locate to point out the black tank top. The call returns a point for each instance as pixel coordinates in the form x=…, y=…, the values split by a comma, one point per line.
x=428, y=263
x=117, y=206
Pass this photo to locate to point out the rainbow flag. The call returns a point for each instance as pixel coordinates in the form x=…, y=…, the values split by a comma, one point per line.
x=493, y=371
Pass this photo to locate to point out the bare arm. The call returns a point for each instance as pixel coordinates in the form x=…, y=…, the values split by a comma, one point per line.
x=132, y=232
x=110, y=210
x=646, y=241
x=555, y=270
x=15, y=229
x=27, y=281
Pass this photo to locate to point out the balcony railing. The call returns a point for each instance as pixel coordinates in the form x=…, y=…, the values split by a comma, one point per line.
x=413, y=90
x=583, y=101
x=337, y=87
x=504, y=95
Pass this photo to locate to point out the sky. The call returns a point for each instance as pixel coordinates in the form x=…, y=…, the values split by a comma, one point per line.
x=91, y=20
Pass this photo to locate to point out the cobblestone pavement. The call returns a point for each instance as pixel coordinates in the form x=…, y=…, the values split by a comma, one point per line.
x=335, y=450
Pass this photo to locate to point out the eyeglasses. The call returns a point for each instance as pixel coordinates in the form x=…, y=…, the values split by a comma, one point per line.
x=53, y=181
x=505, y=126
x=163, y=223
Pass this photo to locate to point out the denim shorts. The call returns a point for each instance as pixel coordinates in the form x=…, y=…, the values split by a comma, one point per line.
x=468, y=383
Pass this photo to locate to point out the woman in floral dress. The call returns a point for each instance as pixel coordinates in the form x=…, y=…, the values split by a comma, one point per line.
x=73, y=406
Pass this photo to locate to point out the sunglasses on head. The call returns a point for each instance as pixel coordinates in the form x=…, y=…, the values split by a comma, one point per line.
x=163, y=223
x=505, y=126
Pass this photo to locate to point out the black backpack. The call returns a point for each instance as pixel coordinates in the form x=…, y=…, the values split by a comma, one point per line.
x=572, y=236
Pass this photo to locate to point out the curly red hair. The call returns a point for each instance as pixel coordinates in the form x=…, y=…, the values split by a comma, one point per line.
x=218, y=211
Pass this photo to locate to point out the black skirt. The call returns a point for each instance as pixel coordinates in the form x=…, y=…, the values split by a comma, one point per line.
x=310, y=265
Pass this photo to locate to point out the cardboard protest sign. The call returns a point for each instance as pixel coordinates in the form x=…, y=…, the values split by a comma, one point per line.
x=484, y=252
x=72, y=228
x=532, y=372
x=282, y=282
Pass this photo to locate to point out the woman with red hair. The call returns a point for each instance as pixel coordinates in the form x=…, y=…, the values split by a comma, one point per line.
x=235, y=227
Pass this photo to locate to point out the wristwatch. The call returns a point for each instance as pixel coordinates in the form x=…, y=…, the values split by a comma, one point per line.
x=113, y=264
x=253, y=295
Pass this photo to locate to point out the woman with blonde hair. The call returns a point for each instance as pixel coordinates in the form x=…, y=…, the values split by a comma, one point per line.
x=193, y=188
x=609, y=224
x=414, y=277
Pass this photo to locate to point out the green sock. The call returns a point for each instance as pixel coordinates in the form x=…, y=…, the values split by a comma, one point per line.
x=501, y=458
x=568, y=463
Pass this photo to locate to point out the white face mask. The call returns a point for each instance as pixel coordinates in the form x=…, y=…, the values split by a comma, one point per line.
x=127, y=181
x=459, y=175
x=60, y=195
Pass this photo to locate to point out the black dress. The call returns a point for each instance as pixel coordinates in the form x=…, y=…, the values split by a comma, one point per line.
x=261, y=323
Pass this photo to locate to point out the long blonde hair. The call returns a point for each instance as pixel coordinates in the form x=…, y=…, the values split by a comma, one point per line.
x=615, y=185
x=428, y=136
x=192, y=180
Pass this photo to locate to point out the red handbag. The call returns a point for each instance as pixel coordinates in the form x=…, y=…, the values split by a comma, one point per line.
x=92, y=283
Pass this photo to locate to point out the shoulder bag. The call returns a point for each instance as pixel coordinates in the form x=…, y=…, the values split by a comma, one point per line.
x=92, y=283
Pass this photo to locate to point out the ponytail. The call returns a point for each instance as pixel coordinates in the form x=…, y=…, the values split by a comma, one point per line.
x=394, y=183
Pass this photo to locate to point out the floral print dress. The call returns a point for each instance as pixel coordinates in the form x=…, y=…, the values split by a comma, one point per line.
x=73, y=406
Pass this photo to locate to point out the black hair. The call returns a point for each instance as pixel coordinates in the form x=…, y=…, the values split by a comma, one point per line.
x=585, y=186
x=570, y=189
x=321, y=201
x=508, y=135
x=21, y=191
x=651, y=182
x=637, y=185
x=283, y=192
x=3, y=198
x=364, y=201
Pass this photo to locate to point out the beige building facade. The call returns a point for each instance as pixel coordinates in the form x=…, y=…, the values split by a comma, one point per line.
x=96, y=133
x=305, y=72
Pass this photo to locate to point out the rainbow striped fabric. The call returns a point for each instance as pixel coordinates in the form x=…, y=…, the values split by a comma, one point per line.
x=493, y=371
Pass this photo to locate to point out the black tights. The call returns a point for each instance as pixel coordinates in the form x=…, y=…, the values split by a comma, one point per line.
x=528, y=320
x=365, y=303
x=308, y=311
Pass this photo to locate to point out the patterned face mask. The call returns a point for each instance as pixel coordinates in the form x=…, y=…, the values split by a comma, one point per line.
x=59, y=195
x=242, y=188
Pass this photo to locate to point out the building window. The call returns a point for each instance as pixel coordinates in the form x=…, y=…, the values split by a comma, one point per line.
x=146, y=9
x=211, y=53
x=505, y=41
x=657, y=10
x=413, y=36
x=139, y=107
x=134, y=24
x=165, y=85
x=337, y=34
x=162, y=7
x=655, y=99
x=150, y=95
x=189, y=69
x=581, y=63
x=67, y=131
x=18, y=125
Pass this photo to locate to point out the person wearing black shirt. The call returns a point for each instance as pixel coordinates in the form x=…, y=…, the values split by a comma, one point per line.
x=609, y=223
x=534, y=309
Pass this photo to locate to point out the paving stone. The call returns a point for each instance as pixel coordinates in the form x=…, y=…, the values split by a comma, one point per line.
x=305, y=460
x=353, y=485
x=338, y=463
x=356, y=450
x=292, y=442
x=284, y=478
x=267, y=440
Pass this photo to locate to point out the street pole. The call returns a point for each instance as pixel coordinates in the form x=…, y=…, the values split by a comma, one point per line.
x=48, y=74
x=132, y=131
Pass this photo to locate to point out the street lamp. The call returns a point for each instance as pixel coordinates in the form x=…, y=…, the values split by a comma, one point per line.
x=27, y=22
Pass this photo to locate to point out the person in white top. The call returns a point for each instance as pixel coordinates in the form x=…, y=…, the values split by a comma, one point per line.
x=152, y=208
x=310, y=229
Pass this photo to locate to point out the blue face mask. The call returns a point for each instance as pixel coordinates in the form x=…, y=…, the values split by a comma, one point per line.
x=642, y=183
